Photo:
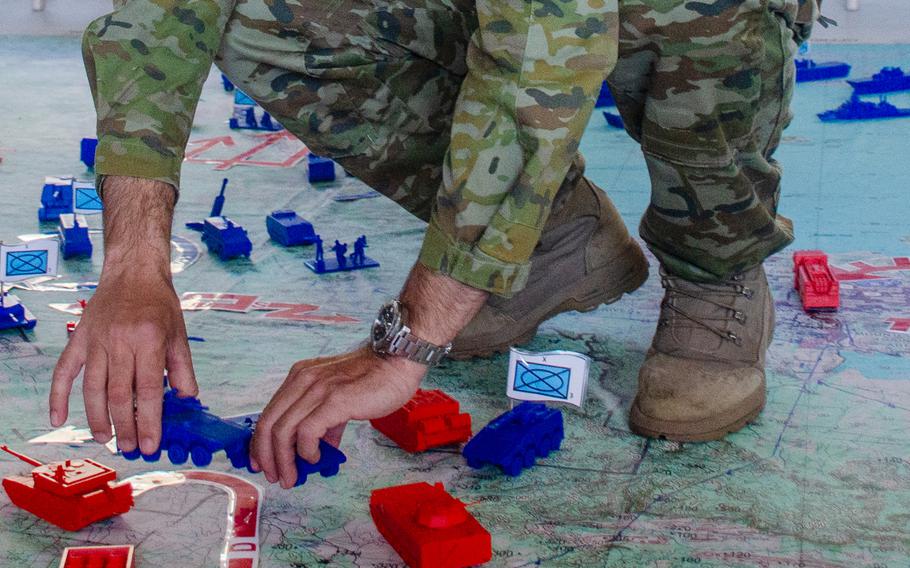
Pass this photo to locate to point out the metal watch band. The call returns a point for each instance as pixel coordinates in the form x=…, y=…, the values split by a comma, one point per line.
x=411, y=347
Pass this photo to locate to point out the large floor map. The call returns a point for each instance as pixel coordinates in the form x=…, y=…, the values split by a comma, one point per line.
x=821, y=480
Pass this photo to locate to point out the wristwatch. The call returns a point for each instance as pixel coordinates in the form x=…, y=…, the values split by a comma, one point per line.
x=391, y=336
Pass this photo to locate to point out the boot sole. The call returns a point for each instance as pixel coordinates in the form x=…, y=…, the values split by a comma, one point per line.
x=707, y=430
x=632, y=281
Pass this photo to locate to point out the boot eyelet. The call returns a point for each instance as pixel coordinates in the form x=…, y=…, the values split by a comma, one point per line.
x=748, y=293
x=739, y=316
x=734, y=338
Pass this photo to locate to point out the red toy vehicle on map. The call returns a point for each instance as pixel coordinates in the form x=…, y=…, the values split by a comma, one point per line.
x=428, y=527
x=818, y=288
x=71, y=494
x=116, y=556
x=428, y=420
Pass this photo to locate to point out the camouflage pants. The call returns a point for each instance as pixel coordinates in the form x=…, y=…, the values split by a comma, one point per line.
x=703, y=88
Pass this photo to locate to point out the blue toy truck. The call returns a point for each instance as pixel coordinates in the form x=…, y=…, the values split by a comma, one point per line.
x=74, y=239
x=188, y=430
x=516, y=438
x=289, y=229
x=225, y=238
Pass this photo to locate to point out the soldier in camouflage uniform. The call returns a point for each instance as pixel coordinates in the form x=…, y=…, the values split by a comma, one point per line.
x=468, y=113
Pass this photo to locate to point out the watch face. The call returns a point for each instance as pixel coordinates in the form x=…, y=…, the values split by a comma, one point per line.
x=385, y=323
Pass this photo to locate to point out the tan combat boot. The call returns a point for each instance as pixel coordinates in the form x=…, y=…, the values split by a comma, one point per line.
x=585, y=258
x=704, y=375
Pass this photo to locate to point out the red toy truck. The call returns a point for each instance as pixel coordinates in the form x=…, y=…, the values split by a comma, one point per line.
x=428, y=527
x=428, y=420
x=818, y=288
x=71, y=494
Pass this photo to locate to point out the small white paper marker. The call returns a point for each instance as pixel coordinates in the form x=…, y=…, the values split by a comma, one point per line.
x=559, y=376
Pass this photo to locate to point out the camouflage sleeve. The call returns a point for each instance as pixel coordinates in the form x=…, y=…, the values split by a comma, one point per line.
x=146, y=63
x=534, y=69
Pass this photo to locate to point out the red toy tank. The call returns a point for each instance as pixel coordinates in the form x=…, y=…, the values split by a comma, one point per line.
x=71, y=494
x=428, y=420
x=428, y=527
x=812, y=277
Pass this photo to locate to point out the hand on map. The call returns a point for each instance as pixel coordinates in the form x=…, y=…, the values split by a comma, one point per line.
x=317, y=399
x=320, y=395
x=132, y=329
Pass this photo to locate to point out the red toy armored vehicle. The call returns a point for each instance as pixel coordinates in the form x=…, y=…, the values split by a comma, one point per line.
x=428, y=420
x=428, y=527
x=71, y=494
x=818, y=288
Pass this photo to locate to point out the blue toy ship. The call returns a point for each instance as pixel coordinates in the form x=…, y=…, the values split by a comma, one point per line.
x=808, y=70
x=341, y=263
x=226, y=238
x=885, y=81
x=188, y=430
x=857, y=109
x=87, y=149
x=13, y=314
x=515, y=439
x=74, y=239
x=605, y=97
x=289, y=229
x=613, y=120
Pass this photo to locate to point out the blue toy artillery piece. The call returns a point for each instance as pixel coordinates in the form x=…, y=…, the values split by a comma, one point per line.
x=516, y=438
x=188, y=430
x=221, y=235
x=341, y=263
x=289, y=229
x=74, y=239
x=225, y=238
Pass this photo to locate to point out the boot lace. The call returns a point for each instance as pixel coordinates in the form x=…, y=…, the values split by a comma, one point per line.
x=729, y=290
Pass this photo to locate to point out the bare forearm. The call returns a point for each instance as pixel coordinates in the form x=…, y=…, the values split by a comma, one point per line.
x=439, y=307
x=137, y=226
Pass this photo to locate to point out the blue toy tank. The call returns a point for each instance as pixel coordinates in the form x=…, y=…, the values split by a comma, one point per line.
x=56, y=197
x=289, y=229
x=516, y=438
x=887, y=80
x=74, y=239
x=226, y=238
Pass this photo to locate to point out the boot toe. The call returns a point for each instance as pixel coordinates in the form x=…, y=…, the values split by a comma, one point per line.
x=690, y=400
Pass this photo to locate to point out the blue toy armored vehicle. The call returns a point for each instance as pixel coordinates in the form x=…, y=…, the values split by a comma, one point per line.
x=515, y=439
x=225, y=238
x=188, y=430
x=56, y=198
x=74, y=239
x=289, y=228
